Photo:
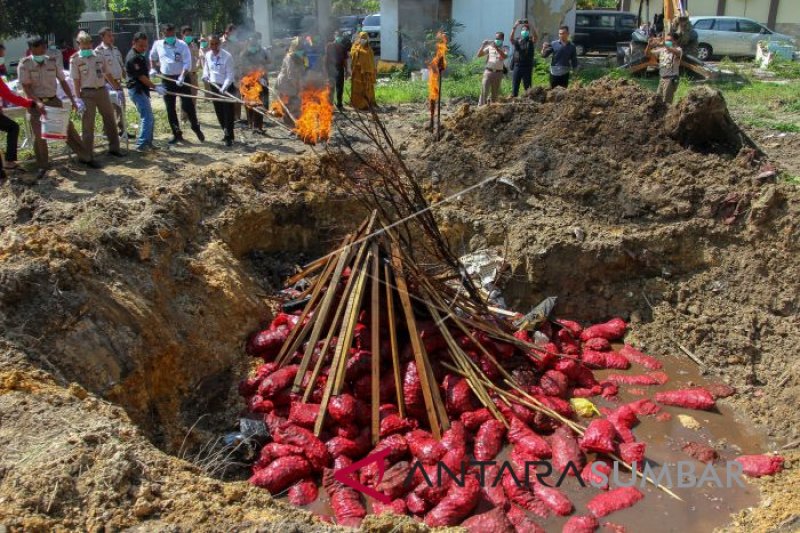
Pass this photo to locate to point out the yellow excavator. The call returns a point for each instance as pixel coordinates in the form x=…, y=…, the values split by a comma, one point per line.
x=675, y=18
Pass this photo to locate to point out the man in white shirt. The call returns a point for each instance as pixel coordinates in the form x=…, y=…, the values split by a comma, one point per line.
x=219, y=72
x=116, y=68
x=173, y=59
x=496, y=55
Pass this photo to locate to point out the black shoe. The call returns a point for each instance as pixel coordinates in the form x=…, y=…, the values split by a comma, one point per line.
x=175, y=139
x=116, y=153
x=340, y=107
x=41, y=173
x=228, y=142
x=92, y=164
x=200, y=135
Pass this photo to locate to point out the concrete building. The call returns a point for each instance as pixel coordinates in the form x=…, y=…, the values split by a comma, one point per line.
x=481, y=19
x=782, y=16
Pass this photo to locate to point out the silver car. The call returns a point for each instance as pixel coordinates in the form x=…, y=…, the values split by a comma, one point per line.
x=372, y=25
x=732, y=36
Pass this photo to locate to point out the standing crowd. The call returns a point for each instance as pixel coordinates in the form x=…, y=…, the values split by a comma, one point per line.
x=219, y=67
x=177, y=66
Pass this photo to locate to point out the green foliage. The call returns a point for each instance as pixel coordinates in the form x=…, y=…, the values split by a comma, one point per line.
x=355, y=7
x=785, y=69
x=597, y=4
x=41, y=17
x=419, y=45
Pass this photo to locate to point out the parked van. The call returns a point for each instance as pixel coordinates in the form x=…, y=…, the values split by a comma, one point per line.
x=601, y=30
x=732, y=36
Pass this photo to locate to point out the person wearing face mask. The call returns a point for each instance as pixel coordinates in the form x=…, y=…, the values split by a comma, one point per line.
x=89, y=74
x=495, y=54
x=362, y=73
x=3, y=69
x=191, y=76
x=203, y=44
x=669, y=65
x=116, y=67
x=254, y=57
x=336, y=68
x=173, y=59
x=219, y=72
x=231, y=43
x=522, y=61
x=137, y=67
x=38, y=73
x=290, y=80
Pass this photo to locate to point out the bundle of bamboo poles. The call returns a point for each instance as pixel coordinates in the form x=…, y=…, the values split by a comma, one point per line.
x=388, y=285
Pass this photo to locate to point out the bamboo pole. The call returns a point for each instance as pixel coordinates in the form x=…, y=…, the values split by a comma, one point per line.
x=430, y=392
x=299, y=332
x=375, y=343
x=398, y=380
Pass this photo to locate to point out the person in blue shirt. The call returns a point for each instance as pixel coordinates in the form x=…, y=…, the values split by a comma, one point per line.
x=565, y=58
x=173, y=59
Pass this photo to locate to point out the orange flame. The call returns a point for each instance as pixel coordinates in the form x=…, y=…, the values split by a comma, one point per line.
x=250, y=88
x=316, y=116
x=437, y=66
x=276, y=108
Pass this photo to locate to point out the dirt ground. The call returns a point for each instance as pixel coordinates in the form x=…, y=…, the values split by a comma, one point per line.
x=126, y=292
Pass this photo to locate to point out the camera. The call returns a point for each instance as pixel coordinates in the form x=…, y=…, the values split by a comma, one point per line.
x=522, y=21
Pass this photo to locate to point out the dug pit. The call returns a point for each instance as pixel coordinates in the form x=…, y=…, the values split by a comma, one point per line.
x=124, y=316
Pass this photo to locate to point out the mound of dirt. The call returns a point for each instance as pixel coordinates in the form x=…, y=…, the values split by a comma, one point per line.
x=623, y=207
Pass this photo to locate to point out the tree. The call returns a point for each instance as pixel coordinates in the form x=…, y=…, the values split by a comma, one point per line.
x=598, y=4
x=40, y=17
x=352, y=7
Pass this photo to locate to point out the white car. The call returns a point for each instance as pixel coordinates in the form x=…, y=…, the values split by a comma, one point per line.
x=732, y=36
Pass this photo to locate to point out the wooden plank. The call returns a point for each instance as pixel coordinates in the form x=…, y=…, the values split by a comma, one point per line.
x=320, y=316
x=332, y=327
x=430, y=392
x=398, y=378
x=348, y=329
x=336, y=373
x=299, y=332
x=375, y=344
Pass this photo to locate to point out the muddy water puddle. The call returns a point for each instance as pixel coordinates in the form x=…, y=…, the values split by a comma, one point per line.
x=703, y=508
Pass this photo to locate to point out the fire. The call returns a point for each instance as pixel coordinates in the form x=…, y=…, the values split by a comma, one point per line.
x=250, y=88
x=276, y=108
x=437, y=66
x=316, y=116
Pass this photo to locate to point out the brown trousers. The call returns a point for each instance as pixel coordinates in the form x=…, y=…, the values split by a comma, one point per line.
x=666, y=89
x=98, y=100
x=40, y=145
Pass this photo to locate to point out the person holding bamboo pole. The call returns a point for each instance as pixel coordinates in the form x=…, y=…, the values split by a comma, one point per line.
x=219, y=72
x=362, y=74
x=290, y=80
x=139, y=85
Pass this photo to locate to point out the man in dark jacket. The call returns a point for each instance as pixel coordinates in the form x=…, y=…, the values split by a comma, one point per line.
x=336, y=53
x=565, y=58
x=522, y=61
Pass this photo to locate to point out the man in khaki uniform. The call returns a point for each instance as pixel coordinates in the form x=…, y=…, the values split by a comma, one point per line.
x=89, y=75
x=669, y=65
x=116, y=67
x=38, y=73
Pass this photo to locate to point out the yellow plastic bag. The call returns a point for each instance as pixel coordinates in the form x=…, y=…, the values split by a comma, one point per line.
x=583, y=407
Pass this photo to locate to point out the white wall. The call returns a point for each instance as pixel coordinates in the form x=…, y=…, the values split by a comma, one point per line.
x=390, y=26
x=481, y=19
x=262, y=18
